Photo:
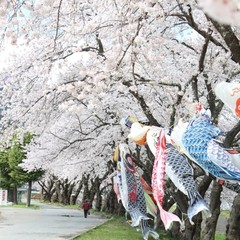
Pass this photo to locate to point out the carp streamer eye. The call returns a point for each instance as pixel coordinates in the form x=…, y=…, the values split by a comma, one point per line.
x=129, y=163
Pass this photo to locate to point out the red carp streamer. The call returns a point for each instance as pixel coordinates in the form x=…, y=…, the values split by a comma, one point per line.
x=158, y=174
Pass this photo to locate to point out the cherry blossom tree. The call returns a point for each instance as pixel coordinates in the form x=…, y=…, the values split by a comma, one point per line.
x=71, y=70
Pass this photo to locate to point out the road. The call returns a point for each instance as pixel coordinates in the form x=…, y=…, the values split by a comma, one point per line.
x=46, y=223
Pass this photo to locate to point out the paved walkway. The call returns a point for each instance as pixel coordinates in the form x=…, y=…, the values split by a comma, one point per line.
x=46, y=223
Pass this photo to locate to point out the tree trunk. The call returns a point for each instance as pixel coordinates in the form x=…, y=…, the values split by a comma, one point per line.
x=86, y=192
x=15, y=200
x=230, y=39
x=29, y=193
x=10, y=195
x=208, y=232
x=192, y=232
x=66, y=191
x=96, y=193
x=111, y=204
x=233, y=229
x=75, y=196
x=58, y=195
x=98, y=201
x=48, y=189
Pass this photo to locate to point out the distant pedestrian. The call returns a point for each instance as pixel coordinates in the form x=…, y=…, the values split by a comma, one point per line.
x=86, y=206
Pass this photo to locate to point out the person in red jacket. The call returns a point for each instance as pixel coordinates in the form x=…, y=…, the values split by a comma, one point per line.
x=86, y=206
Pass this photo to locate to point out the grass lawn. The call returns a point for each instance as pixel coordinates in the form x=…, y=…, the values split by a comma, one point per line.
x=21, y=205
x=225, y=213
x=220, y=236
x=116, y=229
x=75, y=206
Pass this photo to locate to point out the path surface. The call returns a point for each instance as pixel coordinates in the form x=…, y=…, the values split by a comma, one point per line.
x=47, y=223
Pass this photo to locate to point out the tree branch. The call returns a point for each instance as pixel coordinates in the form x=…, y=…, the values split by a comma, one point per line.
x=57, y=27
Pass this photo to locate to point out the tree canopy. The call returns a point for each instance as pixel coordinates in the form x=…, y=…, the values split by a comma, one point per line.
x=71, y=70
x=11, y=156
